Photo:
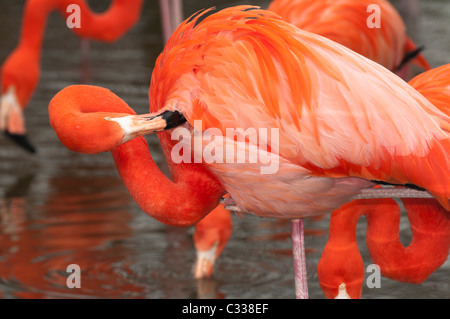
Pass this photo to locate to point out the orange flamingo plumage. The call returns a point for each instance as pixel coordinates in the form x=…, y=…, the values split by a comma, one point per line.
x=345, y=21
x=435, y=86
x=341, y=270
x=21, y=70
x=244, y=68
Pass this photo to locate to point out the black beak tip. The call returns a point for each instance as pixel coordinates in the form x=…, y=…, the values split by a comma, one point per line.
x=173, y=119
x=21, y=140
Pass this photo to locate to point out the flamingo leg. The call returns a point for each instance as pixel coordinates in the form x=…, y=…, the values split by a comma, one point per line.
x=85, y=47
x=164, y=7
x=171, y=16
x=177, y=13
x=84, y=44
x=298, y=250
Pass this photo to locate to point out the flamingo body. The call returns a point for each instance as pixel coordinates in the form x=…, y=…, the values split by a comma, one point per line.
x=345, y=22
x=359, y=128
x=335, y=137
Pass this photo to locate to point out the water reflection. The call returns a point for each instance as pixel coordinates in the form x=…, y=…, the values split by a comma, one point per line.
x=83, y=221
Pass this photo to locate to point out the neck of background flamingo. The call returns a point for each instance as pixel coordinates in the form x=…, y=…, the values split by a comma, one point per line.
x=346, y=218
x=107, y=26
x=429, y=247
x=110, y=25
x=182, y=202
x=341, y=261
x=34, y=22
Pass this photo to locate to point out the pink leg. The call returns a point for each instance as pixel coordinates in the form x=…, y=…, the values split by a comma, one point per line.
x=84, y=49
x=164, y=7
x=298, y=249
x=86, y=76
x=177, y=13
x=171, y=16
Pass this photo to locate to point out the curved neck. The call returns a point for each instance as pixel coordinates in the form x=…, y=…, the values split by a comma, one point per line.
x=34, y=21
x=428, y=250
x=79, y=115
x=107, y=26
x=429, y=247
x=182, y=202
x=341, y=262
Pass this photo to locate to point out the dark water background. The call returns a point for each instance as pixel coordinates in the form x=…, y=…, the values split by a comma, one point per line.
x=60, y=207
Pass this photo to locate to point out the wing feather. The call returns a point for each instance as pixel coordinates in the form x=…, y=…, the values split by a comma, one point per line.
x=339, y=114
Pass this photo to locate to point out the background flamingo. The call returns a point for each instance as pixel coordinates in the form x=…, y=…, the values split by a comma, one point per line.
x=211, y=235
x=195, y=191
x=341, y=269
x=345, y=21
x=21, y=70
x=435, y=86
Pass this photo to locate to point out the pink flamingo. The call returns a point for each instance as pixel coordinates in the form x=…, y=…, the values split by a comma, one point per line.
x=345, y=22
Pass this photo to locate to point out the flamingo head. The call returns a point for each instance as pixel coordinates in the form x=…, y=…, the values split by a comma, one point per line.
x=341, y=272
x=89, y=119
x=211, y=235
x=343, y=289
x=204, y=264
x=19, y=78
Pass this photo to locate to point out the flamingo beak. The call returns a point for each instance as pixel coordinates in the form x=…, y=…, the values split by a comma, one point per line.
x=139, y=125
x=12, y=120
x=342, y=293
x=204, y=264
